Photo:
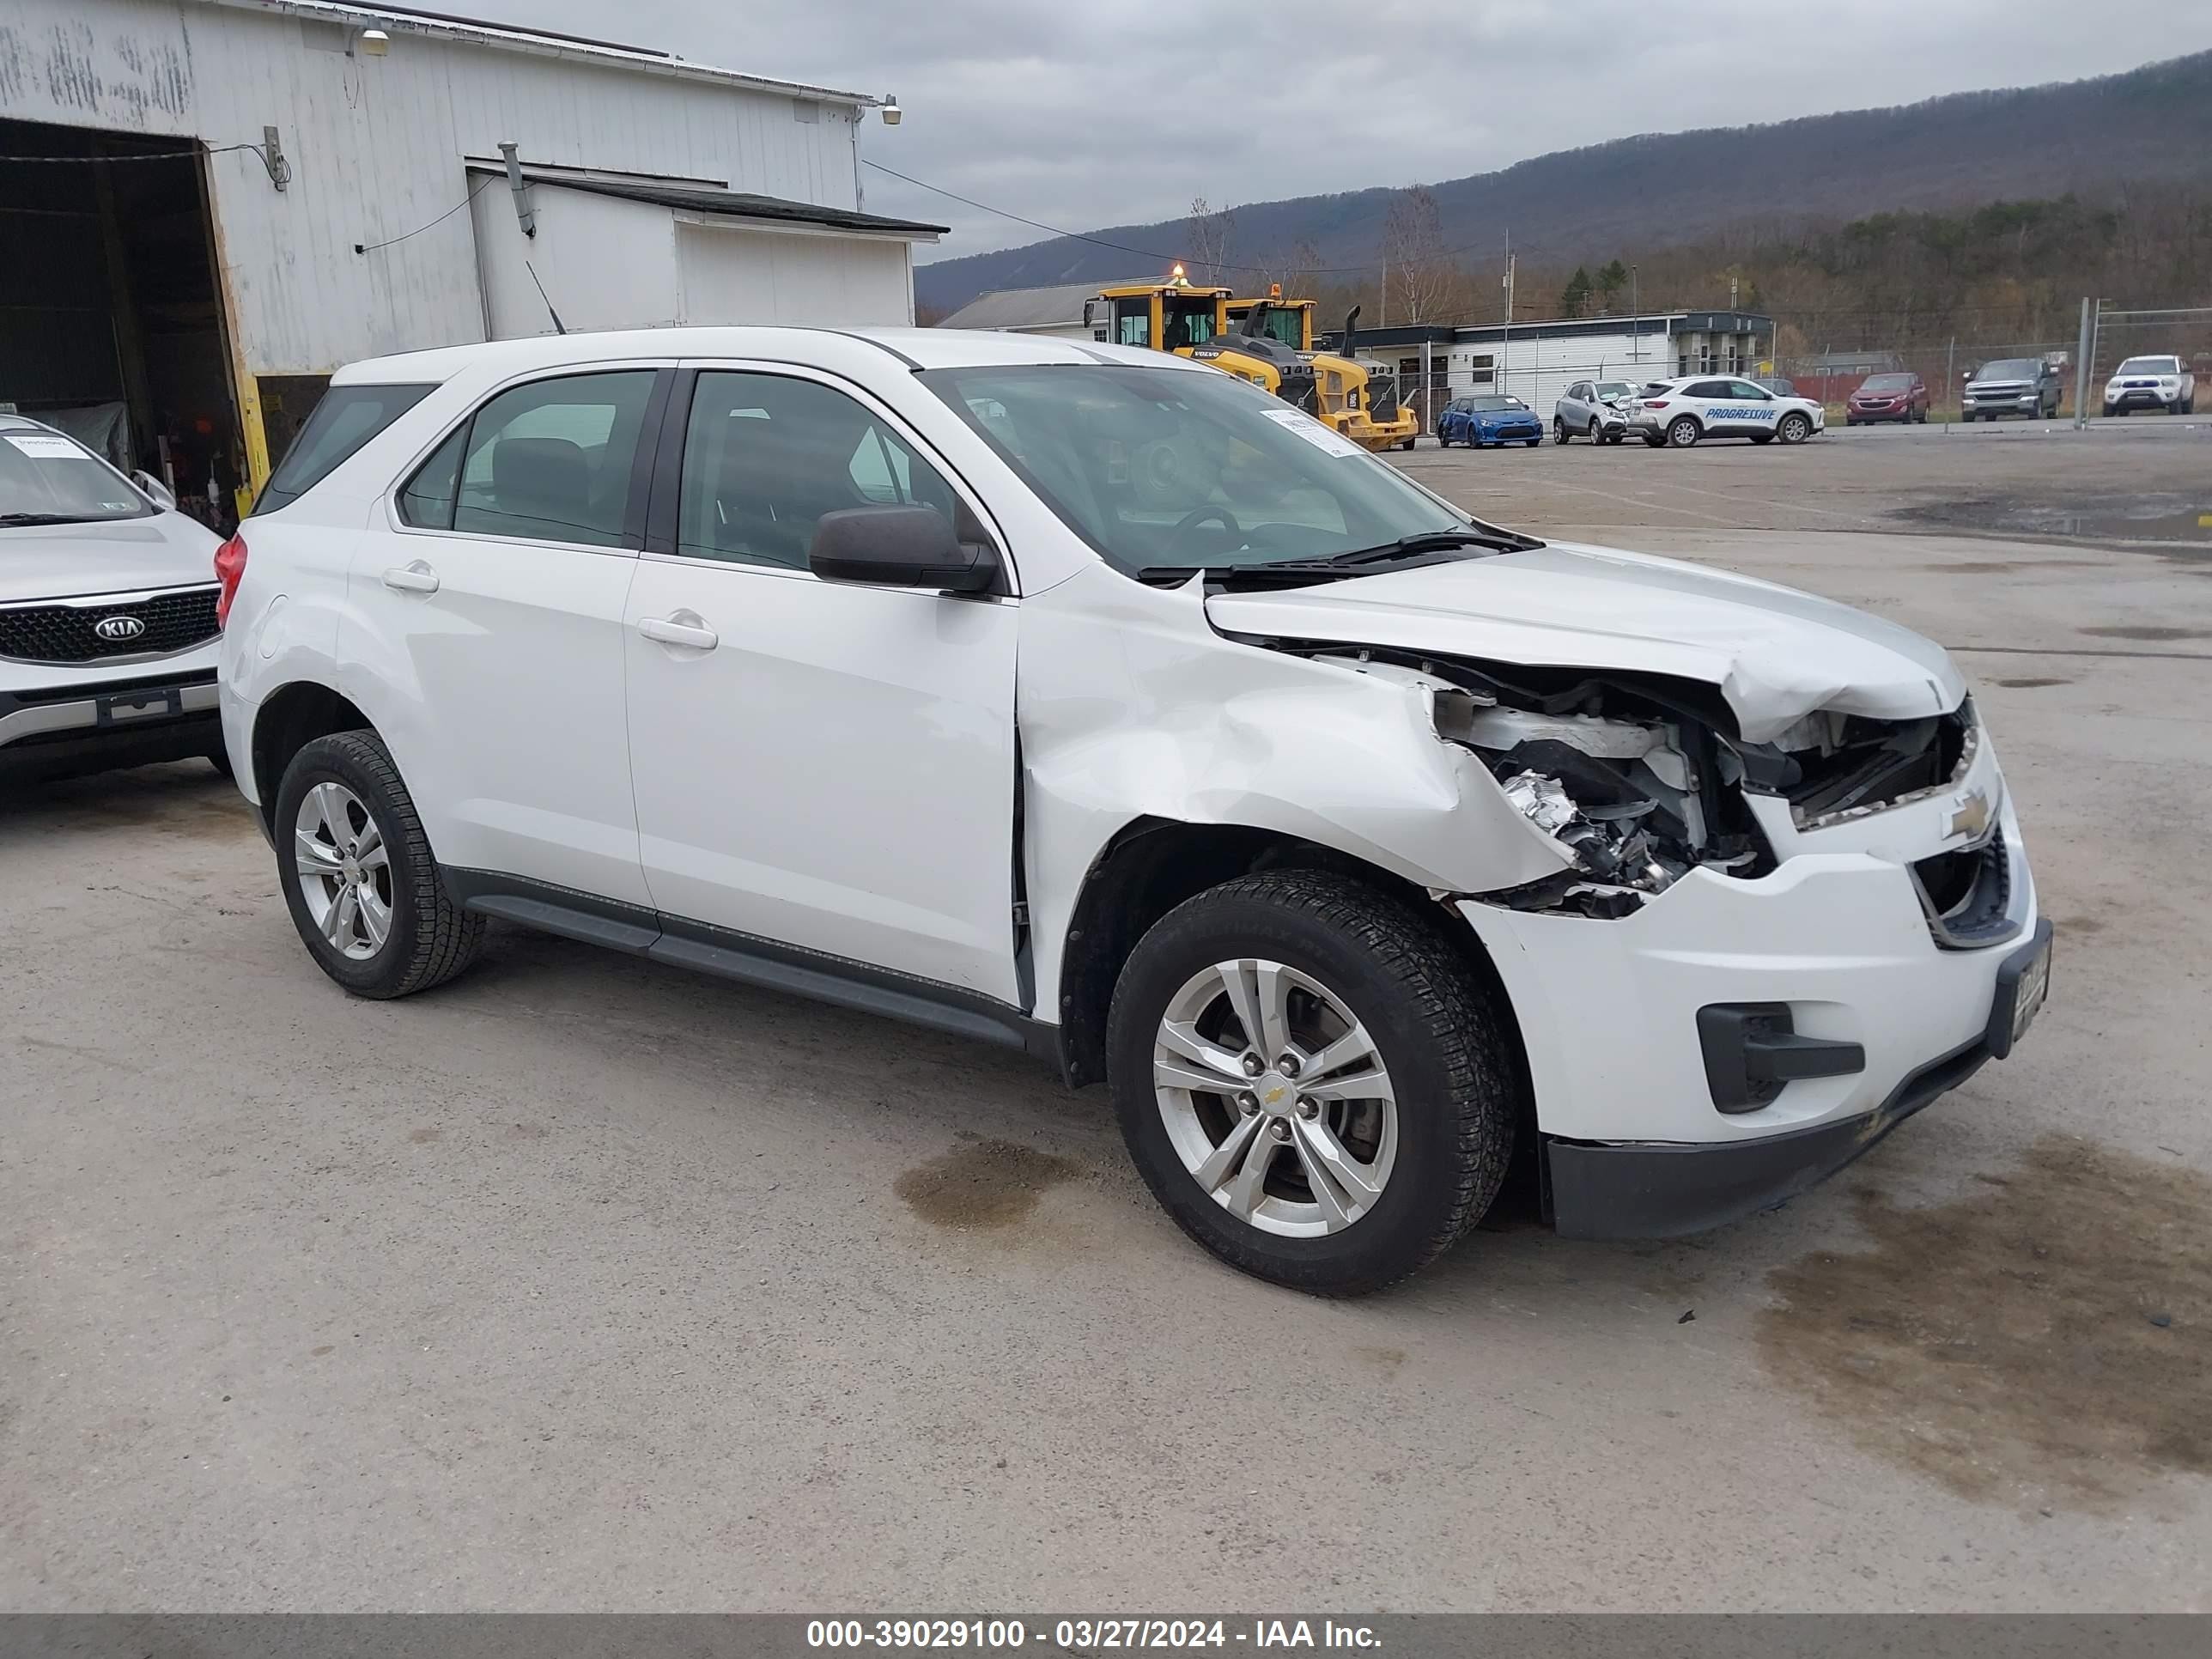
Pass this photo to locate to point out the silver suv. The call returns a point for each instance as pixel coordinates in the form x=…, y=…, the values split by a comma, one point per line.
x=1596, y=410
x=107, y=614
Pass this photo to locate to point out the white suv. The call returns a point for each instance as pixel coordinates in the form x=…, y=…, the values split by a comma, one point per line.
x=1093, y=702
x=1691, y=408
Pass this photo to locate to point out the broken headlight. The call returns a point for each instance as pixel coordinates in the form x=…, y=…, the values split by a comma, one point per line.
x=1637, y=798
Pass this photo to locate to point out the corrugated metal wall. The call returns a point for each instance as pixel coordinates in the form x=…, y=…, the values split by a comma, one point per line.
x=376, y=146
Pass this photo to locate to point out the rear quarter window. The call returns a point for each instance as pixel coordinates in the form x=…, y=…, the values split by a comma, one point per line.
x=346, y=418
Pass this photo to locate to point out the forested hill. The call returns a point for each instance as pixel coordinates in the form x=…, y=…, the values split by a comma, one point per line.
x=2095, y=138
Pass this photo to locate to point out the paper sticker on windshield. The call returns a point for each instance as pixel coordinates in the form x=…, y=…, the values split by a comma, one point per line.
x=45, y=446
x=1293, y=420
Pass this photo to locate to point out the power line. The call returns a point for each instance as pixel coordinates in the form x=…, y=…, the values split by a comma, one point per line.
x=132, y=155
x=371, y=248
x=1170, y=259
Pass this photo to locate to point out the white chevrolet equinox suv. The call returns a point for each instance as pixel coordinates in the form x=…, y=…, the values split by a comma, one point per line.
x=1093, y=702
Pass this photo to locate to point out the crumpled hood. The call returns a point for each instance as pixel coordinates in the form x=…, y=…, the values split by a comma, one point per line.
x=60, y=561
x=1775, y=654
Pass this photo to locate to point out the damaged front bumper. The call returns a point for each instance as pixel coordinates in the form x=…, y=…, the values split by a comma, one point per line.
x=1879, y=1017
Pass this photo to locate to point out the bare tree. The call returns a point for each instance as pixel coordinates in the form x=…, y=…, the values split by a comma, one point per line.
x=1418, y=278
x=1295, y=271
x=1212, y=232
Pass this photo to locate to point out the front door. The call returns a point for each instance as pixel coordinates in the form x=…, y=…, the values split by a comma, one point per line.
x=1751, y=408
x=494, y=604
x=819, y=764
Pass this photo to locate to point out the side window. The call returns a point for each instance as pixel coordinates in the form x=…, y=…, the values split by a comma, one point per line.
x=427, y=501
x=550, y=460
x=1749, y=393
x=765, y=457
x=1133, y=321
x=1708, y=389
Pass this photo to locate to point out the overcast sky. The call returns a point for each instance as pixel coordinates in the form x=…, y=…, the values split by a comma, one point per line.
x=1087, y=115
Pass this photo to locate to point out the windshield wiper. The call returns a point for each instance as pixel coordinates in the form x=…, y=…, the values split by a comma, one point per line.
x=1436, y=541
x=9, y=520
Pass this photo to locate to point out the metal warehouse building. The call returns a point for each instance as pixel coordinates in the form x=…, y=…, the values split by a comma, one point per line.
x=207, y=206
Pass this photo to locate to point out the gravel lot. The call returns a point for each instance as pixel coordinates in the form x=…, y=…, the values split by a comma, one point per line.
x=584, y=1283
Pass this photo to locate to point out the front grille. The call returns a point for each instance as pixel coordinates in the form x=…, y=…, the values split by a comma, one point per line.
x=169, y=623
x=1968, y=895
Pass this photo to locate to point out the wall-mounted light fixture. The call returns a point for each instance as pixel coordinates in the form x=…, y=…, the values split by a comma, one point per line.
x=375, y=43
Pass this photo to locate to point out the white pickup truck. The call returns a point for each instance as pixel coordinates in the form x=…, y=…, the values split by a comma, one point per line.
x=2163, y=383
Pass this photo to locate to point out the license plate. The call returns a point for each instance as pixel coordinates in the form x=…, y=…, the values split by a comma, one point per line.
x=2035, y=987
x=119, y=706
x=2023, y=986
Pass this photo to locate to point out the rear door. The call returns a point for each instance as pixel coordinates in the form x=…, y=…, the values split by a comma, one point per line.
x=822, y=765
x=485, y=627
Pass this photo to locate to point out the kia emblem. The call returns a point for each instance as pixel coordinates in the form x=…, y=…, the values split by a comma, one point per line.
x=116, y=630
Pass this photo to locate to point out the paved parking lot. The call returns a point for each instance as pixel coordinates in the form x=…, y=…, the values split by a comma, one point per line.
x=586, y=1283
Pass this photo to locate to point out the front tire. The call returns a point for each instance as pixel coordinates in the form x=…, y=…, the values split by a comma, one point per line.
x=1559, y=433
x=1388, y=1132
x=358, y=874
x=1794, y=427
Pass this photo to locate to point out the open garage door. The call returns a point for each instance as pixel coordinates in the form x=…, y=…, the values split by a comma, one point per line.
x=111, y=325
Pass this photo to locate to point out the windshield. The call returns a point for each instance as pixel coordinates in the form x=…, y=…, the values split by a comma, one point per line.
x=1611, y=389
x=2012, y=368
x=2149, y=366
x=1887, y=383
x=1162, y=467
x=1185, y=322
x=1495, y=402
x=1284, y=323
x=45, y=478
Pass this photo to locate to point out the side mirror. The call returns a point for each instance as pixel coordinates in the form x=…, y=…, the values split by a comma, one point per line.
x=161, y=493
x=900, y=547
x=1097, y=314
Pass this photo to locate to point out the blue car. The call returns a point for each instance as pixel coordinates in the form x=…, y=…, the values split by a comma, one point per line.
x=1487, y=422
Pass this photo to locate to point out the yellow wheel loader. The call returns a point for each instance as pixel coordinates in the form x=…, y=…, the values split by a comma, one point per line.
x=1271, y=346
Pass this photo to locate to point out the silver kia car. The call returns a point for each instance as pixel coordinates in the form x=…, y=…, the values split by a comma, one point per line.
x=107, y=614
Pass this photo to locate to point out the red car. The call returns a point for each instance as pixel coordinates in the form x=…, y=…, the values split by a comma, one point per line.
x=1888, y=398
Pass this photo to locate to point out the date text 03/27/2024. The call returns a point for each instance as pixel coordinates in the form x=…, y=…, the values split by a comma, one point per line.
x=1088, y=1635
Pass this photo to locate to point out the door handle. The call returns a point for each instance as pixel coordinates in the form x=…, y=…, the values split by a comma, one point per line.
x=685, y=628
x=415, y=578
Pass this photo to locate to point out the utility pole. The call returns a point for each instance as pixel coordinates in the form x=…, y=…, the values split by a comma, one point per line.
x=1635, y=319
x=1505, y=347
x=2083, y=346
x=1950, y=376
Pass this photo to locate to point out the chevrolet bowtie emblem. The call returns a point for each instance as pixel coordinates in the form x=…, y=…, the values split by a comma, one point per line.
x=1972, y=816
x=1274, y=1094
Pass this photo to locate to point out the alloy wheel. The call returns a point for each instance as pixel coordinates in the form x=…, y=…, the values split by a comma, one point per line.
x=345, y=871
x=1276, y=1099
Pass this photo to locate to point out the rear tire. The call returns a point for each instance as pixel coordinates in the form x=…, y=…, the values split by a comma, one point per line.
x=1683, y=433
x=1435, y=1037
x=366, y=827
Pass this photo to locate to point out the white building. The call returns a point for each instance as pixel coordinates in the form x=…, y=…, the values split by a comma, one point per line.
x=206, y=206
x=1535, y=362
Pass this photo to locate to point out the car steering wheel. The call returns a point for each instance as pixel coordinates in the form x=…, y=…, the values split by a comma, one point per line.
x=1198, y=516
